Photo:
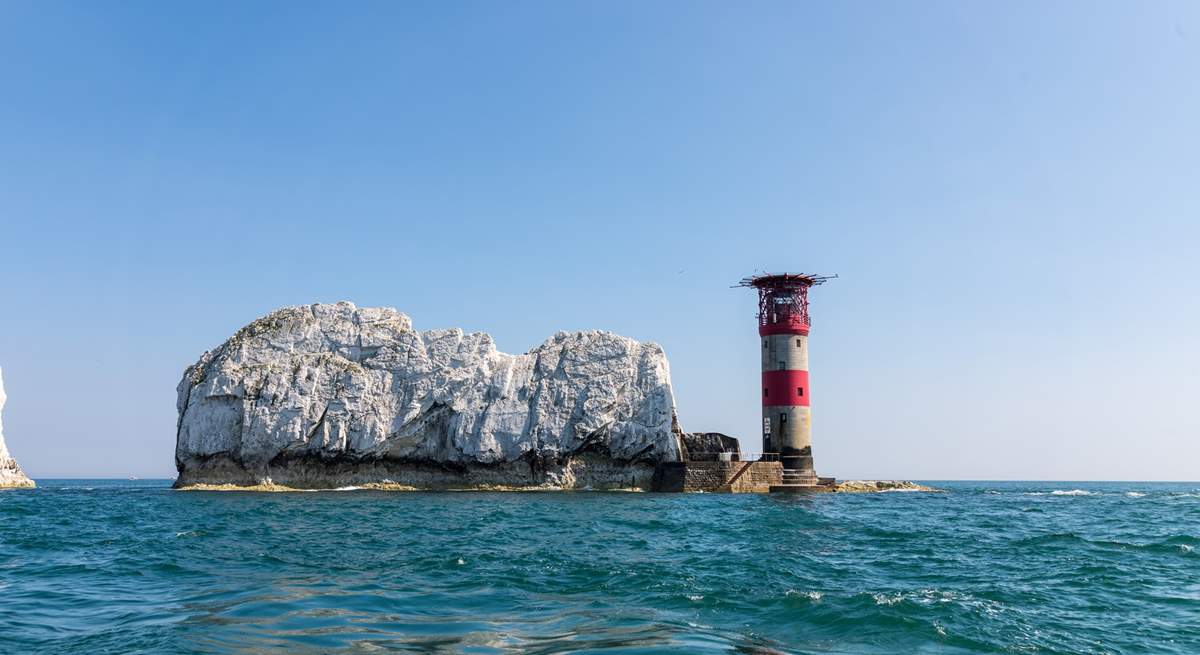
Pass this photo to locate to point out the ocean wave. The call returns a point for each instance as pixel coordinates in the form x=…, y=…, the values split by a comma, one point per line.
x=1173, y=545
x=886, y=599
x=1061, y=538
x=1135, y=494
x=1072, y=492
x=811, y=595
x=937, y=597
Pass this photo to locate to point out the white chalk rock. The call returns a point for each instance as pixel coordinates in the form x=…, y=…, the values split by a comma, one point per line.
x=330, y=395
x=11, y=474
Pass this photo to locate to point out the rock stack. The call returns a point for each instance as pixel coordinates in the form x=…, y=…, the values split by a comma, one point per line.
x=322, y=396
x=11, y=474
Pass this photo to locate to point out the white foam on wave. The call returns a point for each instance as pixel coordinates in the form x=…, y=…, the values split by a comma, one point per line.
x=1134, y=494
x=1072, y=492
x=932, y=597
x=884, y=599
x=811, y=595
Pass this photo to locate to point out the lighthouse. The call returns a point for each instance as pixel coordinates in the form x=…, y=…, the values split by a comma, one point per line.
x=783, y=325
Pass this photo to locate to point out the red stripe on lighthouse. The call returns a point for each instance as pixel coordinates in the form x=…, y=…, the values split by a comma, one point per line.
x=787, y=325
x=785, y=388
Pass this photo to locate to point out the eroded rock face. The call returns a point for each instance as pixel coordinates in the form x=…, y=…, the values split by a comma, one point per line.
x=11, y=474
x=706, y=446
x=334, y=395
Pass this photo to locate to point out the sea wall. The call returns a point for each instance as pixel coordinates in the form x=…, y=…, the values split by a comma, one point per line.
x=714, y=476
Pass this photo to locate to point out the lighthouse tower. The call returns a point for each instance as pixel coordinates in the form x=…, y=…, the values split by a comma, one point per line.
x=783, y=324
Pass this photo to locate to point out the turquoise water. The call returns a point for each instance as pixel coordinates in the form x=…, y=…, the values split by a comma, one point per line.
x=107, y=566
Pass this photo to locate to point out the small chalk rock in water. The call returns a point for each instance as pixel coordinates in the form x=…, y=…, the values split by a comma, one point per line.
x=324, y=396
x=868, y=486
x=11, y=474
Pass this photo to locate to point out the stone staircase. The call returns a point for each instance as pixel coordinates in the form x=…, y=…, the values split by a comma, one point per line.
x=792, y=476
x=794, y=480
x=728, y=486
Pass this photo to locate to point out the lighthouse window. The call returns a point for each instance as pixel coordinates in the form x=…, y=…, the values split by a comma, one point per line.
x=798, y=343
x=782, y=365
x=799, y=391
x=783, y=418
x=764, y=343
x=765, y=393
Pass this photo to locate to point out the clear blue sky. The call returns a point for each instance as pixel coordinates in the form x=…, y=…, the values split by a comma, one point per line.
x=1010, y=192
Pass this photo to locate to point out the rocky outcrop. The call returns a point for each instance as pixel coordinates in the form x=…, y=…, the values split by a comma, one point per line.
x=872, y=486
x=324, y=396
x=11, y=474
x=707, y=446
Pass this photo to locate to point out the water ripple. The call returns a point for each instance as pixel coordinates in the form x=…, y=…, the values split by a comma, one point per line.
x=100, y=567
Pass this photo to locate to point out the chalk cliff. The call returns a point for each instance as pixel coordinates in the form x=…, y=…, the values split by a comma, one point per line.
x=11, y=474
x=325, y=396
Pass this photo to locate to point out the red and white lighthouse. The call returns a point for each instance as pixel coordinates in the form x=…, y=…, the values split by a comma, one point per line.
x=783, y=324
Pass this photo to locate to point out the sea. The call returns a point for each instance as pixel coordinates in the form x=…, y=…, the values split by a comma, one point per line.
x=104, y=566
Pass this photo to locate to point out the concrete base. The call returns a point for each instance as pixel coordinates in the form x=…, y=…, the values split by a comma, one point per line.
x=718, y=477
x=805, y=485
x=803, y=488
x=737, y=477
